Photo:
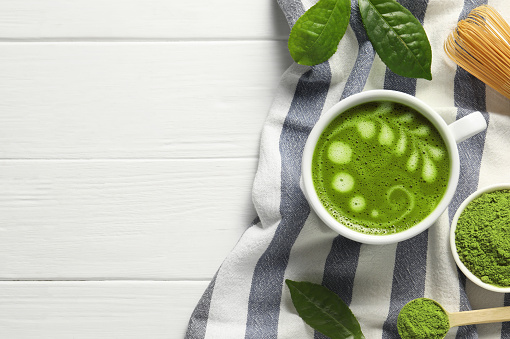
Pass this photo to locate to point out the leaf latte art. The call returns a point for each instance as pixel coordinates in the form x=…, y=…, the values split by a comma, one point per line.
x=380, y=167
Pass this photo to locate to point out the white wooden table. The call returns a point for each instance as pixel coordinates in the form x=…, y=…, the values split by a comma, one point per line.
x=129, y=137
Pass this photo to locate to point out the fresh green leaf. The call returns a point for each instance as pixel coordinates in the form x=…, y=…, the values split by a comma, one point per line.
x=315, y=36
x=398, y=38
x=323, y=310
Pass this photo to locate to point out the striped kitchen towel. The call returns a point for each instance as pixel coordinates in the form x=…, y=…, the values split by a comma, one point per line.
x=248, y=298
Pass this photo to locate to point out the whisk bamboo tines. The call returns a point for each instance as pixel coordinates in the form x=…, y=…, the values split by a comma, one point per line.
x=481, y=45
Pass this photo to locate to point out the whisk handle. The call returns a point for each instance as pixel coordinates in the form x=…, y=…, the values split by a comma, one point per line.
x=468, y=126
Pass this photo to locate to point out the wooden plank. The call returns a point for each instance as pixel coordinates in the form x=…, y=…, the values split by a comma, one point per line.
x=97, y=309
x=136, y=100
x=118, y=19
x=124, y=219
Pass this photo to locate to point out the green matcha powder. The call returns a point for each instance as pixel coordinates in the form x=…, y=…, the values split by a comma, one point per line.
x=482, y=237
x=422, y=319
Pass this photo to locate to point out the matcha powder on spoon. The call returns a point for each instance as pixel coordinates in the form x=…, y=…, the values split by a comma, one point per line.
x=482, y=237
x=422, y=318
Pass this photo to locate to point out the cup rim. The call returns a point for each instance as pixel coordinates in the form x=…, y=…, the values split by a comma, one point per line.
x=453, y=247
x=357, y=99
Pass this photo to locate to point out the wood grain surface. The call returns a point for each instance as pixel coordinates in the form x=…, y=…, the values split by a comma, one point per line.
x=129, y=140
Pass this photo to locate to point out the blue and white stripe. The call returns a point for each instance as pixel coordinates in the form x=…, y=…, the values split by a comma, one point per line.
x=469, y=96
x=268, y=277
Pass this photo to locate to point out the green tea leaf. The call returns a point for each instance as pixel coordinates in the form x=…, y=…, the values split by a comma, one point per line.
x=323, y=310
x=315, y=36
x=398, y=38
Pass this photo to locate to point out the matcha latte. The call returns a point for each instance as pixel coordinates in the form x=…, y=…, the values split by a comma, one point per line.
x=380, y=168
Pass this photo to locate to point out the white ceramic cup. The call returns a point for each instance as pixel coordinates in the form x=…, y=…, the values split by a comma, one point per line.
x=452, y=134
x=453, y=247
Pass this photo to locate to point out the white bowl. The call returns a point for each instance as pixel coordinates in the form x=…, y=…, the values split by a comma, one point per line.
x=452, y=134
x=453, y=247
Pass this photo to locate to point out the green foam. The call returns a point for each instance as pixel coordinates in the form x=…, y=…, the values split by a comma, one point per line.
x=380, y=167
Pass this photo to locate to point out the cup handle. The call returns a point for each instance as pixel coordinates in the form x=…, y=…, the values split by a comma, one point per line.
x=468, y=126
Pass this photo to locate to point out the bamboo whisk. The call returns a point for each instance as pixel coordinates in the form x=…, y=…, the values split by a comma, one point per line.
x=480, y=44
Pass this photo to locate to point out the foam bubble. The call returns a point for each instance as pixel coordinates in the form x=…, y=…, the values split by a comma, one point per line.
x=386, y=135
x=436, y=153
x=407, y=117
x=401, y=144
x=343, y=182
x=429, y=172
x=412, y=162
x=366, y=129
x=422, y=131
x=374, y=213
x=357, y=203
x=339, y=152
x=384, y=108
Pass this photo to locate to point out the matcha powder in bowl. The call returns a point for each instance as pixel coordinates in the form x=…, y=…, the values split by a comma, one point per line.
x=480, y=238
x=422, y=318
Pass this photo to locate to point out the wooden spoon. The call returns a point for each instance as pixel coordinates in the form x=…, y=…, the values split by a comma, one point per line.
x=483, y=316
